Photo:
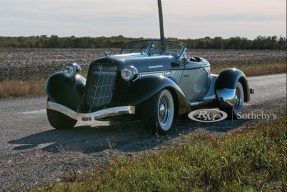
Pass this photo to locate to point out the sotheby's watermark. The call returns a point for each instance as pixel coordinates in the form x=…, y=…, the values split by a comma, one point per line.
x=207, y=115
x=257, y=116
x=216, y=115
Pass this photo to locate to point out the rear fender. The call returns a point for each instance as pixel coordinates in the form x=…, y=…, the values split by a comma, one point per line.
x=67, y=92
x=225, y=84
x=146, y=87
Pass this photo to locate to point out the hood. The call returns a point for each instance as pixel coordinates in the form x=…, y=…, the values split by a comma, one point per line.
x=141, y=62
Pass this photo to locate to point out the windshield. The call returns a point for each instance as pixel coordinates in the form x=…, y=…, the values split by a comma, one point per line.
x=154, y=47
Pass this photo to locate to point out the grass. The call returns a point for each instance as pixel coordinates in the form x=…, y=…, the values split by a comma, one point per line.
x=256, y=69
x=36, y=86
x=22, y=88
x=245, y=160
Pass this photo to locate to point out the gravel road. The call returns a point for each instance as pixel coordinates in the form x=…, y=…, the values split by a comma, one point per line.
x=32, y=152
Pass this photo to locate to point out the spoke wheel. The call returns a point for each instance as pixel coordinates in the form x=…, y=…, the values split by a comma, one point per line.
x=165, y=110
x=158, y=112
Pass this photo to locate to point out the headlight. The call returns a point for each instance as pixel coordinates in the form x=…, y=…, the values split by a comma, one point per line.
x=128, y=73
x=71, y=69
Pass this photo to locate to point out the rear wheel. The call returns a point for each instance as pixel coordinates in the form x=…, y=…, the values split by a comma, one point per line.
x=59, y=120
x=235, y=107
x=158, y=112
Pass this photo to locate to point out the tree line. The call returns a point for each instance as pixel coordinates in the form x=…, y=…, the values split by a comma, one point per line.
x=53, y=41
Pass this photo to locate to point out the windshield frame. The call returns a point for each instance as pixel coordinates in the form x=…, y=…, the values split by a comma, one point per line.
x=149, y=45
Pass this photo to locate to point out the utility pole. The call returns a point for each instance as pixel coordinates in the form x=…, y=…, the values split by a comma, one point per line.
x=161, y=24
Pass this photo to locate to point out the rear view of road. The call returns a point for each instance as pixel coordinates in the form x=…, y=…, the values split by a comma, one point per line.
x=32, y=152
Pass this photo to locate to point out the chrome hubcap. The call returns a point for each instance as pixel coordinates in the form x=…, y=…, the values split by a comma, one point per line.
x=164, y=110
x=237, y=101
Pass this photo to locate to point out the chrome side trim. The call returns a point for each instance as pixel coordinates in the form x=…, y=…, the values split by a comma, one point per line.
x=155, y=66
x=162, y=73
x=91, y=116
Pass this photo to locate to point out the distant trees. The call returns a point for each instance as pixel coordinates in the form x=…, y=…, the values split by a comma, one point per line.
x=261, y=42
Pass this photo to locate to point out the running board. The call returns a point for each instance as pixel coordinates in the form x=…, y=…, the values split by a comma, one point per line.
x=197, y=103
x=205, y=100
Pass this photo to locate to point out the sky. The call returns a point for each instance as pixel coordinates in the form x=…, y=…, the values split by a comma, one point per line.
x=139, y=18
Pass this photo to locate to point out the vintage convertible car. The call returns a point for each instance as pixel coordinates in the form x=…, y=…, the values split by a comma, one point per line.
x=153, y=80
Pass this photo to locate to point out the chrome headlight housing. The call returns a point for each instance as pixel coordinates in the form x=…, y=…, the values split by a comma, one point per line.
x=71, y=69
x=128, y=73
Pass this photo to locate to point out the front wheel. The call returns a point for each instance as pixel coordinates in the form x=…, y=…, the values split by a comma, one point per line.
x=235, y=107
x=59, y=120
x=158, y=112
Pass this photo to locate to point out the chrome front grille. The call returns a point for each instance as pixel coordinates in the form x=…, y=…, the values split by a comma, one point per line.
x=101, y=82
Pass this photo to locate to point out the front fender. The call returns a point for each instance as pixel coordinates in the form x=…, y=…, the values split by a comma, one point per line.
x=146, y=87
x=67, y=92
x=227, y=80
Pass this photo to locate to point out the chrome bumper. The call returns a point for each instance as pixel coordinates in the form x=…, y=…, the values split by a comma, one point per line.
x=91, y=116
x=227, y=97
x=226, y=94
x=230, y=94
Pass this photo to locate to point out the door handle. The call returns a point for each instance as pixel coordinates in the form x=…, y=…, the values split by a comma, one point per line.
x=186, y=75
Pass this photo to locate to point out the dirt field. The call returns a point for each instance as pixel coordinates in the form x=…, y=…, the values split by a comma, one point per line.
x=27, y=63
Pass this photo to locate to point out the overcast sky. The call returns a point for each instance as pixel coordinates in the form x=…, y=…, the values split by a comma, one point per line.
x=139, y=18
